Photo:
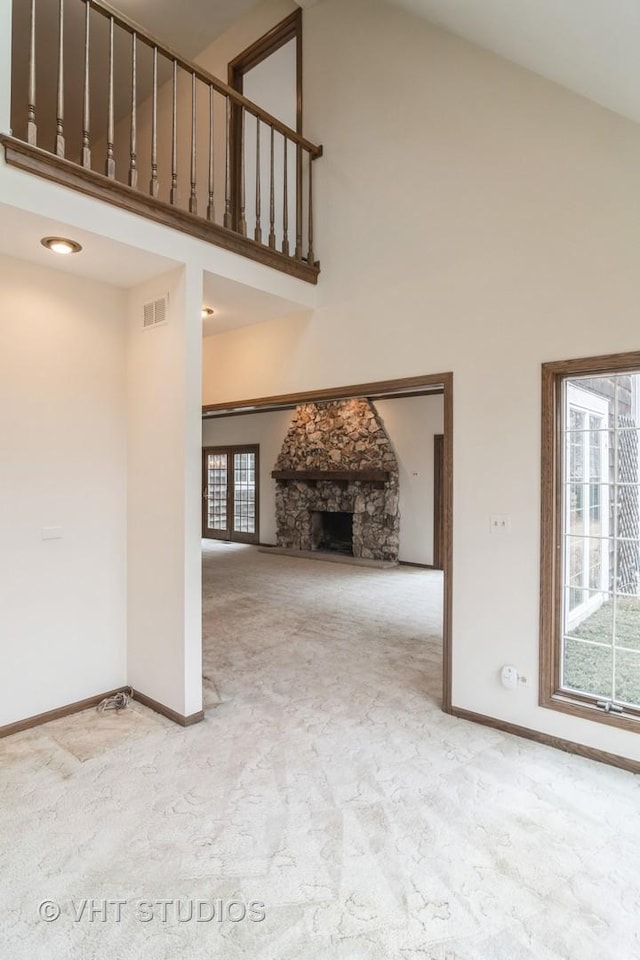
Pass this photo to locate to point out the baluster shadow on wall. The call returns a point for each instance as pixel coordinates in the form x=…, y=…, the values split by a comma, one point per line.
x=100, y=105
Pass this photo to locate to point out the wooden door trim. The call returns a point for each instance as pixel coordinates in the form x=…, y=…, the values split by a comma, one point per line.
x=378, y=390
x=288, y=29
x=438, y=496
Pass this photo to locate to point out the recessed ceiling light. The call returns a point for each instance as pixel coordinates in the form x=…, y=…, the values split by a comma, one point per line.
x=206, y=312
x=61, y=245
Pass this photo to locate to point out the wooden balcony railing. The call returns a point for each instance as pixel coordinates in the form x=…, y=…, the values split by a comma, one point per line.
x=101, y=106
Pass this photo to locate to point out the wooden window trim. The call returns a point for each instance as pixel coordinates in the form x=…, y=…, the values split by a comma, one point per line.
x=551, y=695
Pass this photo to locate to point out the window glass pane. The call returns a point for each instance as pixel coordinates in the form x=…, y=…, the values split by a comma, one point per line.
x=601, y=523
x=217, y=491
x=627, y=676
x=244, y=466
x=628, y=622
x=593, y=620
x=627, y=554
x=588, y=668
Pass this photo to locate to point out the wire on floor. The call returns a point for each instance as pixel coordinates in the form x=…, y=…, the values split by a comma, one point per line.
x=117, y=702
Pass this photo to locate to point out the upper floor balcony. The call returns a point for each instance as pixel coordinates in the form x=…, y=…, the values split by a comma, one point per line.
x=101, y=106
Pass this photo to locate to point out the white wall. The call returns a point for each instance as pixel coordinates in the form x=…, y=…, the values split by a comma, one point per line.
x=266, y=429
x=63, y=429
x=164, y=463
x=471, y=217
x=412, y=423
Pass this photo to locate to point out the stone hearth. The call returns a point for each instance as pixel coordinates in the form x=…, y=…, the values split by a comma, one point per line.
x=337, y=458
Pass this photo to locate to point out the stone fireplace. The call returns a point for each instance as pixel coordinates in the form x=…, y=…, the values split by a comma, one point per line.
x=337, y=482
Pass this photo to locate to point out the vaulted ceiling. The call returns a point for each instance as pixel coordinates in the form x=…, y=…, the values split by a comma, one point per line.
x=590, y=46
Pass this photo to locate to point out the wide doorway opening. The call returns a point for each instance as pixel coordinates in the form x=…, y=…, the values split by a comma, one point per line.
x=360, y=477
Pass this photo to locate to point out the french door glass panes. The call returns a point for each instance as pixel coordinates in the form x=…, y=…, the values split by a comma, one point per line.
x=601, y=538
x=217, y=476
x=230, y=493
x=244, y=492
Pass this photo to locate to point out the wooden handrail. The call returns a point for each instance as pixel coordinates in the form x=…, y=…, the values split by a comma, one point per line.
x=131, y=26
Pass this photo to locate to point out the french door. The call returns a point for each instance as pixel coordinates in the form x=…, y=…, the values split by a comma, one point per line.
x=230, y=493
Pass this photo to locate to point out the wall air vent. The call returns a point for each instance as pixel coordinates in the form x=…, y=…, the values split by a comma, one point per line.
x=155, y=312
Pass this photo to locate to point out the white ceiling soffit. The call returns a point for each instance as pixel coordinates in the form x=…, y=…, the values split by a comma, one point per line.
x=590, y=46
x=187, y=27
x=238, y=305
x=101, y=258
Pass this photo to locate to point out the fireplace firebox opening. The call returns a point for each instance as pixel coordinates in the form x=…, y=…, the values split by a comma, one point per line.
x=332, y=531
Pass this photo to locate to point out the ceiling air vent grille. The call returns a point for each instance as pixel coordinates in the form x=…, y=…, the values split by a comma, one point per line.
x=155, y=312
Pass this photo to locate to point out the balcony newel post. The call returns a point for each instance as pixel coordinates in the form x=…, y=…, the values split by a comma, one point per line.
x=310, y=253
x=111, y=161
x=298, y=252
x=60, y=146
x=32, y=128
x=86, y=99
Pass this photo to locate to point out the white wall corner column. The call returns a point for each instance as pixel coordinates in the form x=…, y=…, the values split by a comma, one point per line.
x=164, y=462
x=5, y=66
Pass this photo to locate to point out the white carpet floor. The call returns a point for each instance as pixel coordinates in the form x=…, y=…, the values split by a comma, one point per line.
x=324, y=782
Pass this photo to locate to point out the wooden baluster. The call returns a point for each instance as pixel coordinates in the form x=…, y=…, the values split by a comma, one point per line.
x=299, y=168
x=285, y=205
x=32, y=127
x=211, y=207
x=257, y=233
x=228, y=219
x=60, y=107
x=242, y=223
x=310, y=254
x=272, y=197
x=133, y=167
x=193, y=199
x=111, y=161
x=86, y=102
x=154, y=185
x=173, y=195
